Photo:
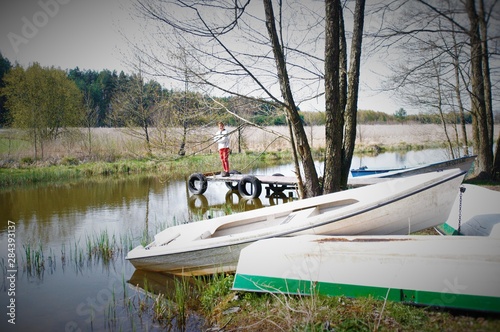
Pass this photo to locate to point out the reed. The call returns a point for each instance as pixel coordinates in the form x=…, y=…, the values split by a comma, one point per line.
x=181, y=297
x=63, y=254
x=110, y=313
x=102, y=246
x=162, y=311
x=126, y=242
x=34, y=259
x=217, y=289
x=76, y=254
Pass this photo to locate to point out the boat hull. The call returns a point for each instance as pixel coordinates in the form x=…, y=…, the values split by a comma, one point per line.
x=475, y=212
x=192, y=263
x=454, y=272
x=463, y=163
x=404, y=206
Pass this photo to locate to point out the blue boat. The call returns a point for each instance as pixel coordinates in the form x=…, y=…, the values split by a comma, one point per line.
x=364, y=170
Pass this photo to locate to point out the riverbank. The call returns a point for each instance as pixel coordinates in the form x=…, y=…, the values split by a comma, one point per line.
x=231, y=311
x=106, y=152
x=163, y=168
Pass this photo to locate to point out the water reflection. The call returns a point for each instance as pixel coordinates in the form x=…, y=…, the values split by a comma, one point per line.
x=172, y=287
x=234, y=202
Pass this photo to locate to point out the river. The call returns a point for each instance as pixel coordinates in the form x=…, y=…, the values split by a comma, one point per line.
x=53, y=279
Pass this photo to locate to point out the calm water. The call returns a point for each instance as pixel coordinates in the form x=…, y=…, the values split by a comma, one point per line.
x=76, y=293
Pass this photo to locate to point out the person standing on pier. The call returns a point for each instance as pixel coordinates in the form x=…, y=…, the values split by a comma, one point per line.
x=221, y=137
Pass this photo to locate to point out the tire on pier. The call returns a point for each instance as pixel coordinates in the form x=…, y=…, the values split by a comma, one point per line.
x=197, y=183
x=232, y=185
x=255, y=187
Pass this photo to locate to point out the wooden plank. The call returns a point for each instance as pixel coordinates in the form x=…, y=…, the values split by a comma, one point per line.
x=264, y=179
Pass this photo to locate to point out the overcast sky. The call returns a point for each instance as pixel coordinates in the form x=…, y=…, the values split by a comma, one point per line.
x=88, y=34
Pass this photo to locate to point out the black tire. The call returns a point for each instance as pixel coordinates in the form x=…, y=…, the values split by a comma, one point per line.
x=255, y=187
x=197, y=183
x=277, y=188
x=232, y=185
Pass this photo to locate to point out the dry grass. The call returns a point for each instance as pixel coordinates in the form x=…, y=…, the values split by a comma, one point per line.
x=110, y=144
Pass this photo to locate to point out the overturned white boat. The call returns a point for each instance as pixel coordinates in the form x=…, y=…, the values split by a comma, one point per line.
x=476, y=212
x=400, y=206
x=460, y=272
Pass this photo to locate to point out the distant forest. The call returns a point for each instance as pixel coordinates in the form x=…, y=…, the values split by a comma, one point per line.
x=102, y=91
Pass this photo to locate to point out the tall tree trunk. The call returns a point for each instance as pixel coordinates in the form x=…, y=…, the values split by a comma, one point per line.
x=351, y=109
x=488, y=99
x=311, y=184
x=440, y=108
x=486, y=70
x=296, y=162
x=334, y=125
x=456, y=65
x=482, y=142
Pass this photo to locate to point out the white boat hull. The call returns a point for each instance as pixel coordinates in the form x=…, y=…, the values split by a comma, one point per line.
x=476, y=212
x=401, y=206
x=463, y=163
x=456, y=272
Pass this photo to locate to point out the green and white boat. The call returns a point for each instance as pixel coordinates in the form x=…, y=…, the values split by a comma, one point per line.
x=475, y=212
x=460, y=272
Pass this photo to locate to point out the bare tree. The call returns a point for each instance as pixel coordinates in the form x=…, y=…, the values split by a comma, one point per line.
x=179, y=115
x=301, y=144
x=459, y=33
x=135, y=107
x=90, y=120
x=271, y=52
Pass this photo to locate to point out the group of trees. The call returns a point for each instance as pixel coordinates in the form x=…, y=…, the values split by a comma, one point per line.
x=46, y=101
x=103, y=96
x=287, y=52
x=272, y=56
x=42, y=102
x=453, y=65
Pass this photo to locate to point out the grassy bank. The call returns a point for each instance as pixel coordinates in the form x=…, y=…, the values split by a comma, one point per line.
x=168, y=168
x=268, y=312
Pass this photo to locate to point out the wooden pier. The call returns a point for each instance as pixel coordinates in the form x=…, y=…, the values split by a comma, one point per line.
x=249, y=186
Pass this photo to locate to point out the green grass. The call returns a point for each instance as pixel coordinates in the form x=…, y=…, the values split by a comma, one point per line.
x=33, y=174
x=10, y=145
x=269, y=312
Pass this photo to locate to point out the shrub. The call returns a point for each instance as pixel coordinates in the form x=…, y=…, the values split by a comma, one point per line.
x=27, y=160
x=68, y=161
